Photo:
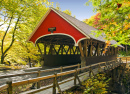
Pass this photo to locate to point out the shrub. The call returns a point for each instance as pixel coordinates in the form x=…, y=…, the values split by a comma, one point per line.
x=96, y=85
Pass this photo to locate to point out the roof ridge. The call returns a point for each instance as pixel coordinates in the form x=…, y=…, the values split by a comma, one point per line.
x=62, y=12
x=70, y=21
x=72, y=17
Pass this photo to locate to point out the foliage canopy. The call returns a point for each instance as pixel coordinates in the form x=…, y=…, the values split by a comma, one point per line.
x=113, y=17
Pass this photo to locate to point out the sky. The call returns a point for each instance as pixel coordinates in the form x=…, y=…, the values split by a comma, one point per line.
x=77, y=8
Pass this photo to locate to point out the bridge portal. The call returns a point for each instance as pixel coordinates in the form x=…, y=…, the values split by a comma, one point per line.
x=64, y=40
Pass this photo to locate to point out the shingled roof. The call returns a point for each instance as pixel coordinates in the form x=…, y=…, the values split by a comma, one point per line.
x=83, y=27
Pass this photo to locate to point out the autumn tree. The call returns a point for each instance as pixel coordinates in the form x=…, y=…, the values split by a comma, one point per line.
x=115, y=18
x=20, y=18
x=94, y=21
x=16, y=15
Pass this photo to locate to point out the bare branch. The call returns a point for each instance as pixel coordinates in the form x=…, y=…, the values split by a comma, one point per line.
x=5, y=15
x=1, y=24
x=5, y=20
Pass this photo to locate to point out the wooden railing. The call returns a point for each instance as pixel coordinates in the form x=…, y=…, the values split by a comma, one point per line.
x=102, y=67
x=40, y=71
x=126, y=59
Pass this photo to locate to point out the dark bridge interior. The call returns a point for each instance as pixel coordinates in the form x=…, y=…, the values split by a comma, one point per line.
x=59, y=50
x=56, y=39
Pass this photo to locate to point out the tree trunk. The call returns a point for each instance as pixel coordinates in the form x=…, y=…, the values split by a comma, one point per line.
x=126, y=50
x=29, y=60
x=3, y=53
x=2, y=59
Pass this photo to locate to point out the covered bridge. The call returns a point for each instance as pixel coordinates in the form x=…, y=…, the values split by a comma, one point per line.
x=68, y=41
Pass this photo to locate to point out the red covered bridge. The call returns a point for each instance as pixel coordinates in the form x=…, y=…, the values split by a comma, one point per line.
x=68, y=41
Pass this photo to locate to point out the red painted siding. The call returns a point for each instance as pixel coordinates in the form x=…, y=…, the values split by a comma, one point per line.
x=62, y=26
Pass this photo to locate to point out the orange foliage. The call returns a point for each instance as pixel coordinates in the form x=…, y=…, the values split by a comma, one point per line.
x=107, y=44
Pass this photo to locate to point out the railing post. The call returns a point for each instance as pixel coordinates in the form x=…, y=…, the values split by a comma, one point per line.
x=106, y=64
x=75, y=75
x=120, y=60
x=61, y=71
x=113, y=73
x=57, y=85
x=90, y=71
x=54, y=83
x=38, y=83
x=78, y=67
x=9, y=89
x=113, y=64
x=126, y=59
x=99, y=67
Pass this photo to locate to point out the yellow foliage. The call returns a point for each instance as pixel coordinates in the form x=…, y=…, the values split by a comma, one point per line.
x=96, y=85
x=67, y=12
x=129, y=16
x=121, y=32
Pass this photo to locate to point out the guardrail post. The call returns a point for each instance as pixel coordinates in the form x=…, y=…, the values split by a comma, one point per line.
x=9, y=89
x=61, y=70
x=38, y=83
x=75, y=75
x=54, y=83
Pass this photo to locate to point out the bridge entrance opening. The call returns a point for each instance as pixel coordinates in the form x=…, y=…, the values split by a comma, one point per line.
x=59, y=50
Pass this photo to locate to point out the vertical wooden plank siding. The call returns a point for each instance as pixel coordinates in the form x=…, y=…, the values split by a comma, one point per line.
x=62, y=49
x=91, y=47
x=70, y=49
x=104, y=49
x=45, y=49
x=39, y=48
x=112, y=51
x=50, y=51
x=109, y=51
x=85, y=48
x=98, y=49
x=80, y=48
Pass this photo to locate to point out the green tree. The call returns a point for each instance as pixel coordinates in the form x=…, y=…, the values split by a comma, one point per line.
x=115, y=18
x=20, y=17
x=17, y=15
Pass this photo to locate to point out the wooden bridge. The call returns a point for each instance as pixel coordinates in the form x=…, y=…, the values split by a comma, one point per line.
x=64, y=40
x=59, y=82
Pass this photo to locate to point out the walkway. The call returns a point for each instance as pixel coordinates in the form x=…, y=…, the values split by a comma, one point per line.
x=25, y=77
x=65, y=86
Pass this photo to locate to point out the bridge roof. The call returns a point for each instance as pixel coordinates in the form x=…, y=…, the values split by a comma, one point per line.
x=84, y=30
